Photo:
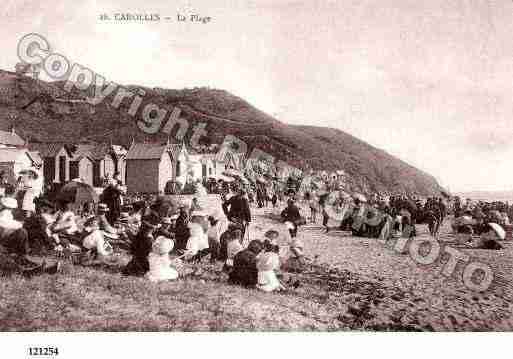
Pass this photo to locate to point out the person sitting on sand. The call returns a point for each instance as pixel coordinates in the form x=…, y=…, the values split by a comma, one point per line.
x=37, y=226
x=267, y=263
x=97, y=247
x=127, y=230
x=233, y=246
x=245, y=270
x=296, y=261
x=65, y=228
x=197, y=244
x=182, y=228
x=166, y=229
x=272, y=235
x=104, y=224
x=142, y=246
x=159, y=261
x=14, y=245
x=214, y=233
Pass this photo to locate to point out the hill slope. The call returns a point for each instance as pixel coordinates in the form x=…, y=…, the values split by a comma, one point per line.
x=45, y=112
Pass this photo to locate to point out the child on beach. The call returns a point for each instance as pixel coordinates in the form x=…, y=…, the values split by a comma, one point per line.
x=296, y=262
x=234, y=246
x=160, y=262
x=267, y=263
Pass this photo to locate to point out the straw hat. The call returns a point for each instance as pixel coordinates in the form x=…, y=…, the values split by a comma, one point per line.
x=163, y=245
x=9, y=202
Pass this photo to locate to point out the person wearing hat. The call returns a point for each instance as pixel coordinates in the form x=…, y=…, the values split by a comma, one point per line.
x=37, y=226
x=141, y=246
x=15, y=247
x=127, y=230
x=166, y=228
x=27, y=193
x=13, y=237
x=65, y=227
x=195, y=206
x=268, y=263
x=104, y=224
x=217, y=227
x=245, y=271
x=161, y=268
x=197, y=244
x=112, y=197
x=237, y=210
x=291, y=217
x=98, y=248
x=233, y=246
x=182, y=228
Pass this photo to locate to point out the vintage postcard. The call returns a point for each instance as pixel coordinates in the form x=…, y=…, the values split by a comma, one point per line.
x=255, y=166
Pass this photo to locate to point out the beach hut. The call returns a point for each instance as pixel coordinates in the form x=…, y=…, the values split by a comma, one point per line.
x=82, y=167
x=148, y=168
x=13, y=161
x=11, y=139
x=107, y=160
x=202, y=165
x=56, y=158
x=180, y=161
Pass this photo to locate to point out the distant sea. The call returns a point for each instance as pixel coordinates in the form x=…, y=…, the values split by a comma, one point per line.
x=489, y=196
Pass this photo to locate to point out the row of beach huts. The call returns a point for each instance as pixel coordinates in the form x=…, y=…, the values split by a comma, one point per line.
x=143, y=167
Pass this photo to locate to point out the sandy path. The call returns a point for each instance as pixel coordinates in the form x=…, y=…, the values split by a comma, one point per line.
x=431, y=298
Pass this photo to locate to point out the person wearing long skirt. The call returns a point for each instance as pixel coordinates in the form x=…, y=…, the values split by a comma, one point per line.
x=267, y=264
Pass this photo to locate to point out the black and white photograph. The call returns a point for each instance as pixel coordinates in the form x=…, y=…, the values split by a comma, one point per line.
x=255, y=166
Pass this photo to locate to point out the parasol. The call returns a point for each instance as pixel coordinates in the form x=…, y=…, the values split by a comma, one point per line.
x=501, y=233
x=77, y=193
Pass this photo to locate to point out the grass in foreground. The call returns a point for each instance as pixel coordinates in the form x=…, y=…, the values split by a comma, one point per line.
x=96, y=299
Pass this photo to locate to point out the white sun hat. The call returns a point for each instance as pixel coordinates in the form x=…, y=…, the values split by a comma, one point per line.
x=9, y=202
x=163, y=245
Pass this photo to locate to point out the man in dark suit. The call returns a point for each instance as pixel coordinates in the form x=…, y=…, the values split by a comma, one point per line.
x=237, y=210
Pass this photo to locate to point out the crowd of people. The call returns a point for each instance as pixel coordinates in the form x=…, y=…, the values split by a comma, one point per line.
x=161, y=233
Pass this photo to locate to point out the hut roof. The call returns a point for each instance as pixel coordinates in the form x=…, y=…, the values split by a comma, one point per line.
x=146, y=151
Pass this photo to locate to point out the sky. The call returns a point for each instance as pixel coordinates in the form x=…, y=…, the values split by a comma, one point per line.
x=430, y=82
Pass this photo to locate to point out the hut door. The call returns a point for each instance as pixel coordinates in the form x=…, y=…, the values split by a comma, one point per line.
x=204, y=170
x=62, y=169
x=74, y=170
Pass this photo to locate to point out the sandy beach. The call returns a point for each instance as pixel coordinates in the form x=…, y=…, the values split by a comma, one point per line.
x=414, y=293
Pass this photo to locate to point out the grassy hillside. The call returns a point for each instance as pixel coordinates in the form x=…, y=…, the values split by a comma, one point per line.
x=44, y=112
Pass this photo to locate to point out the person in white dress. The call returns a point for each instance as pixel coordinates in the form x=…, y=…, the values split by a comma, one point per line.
x=161, y=268
x=197, y=242
x=233, y=247
x=95, y=242
x=268, y=263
